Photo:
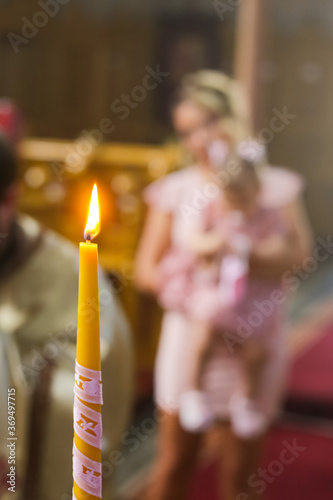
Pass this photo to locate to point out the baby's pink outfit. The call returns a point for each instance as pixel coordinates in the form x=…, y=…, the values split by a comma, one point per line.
x=186, y=195
x=220, y=294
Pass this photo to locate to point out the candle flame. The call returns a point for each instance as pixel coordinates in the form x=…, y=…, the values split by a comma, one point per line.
x=93, y=224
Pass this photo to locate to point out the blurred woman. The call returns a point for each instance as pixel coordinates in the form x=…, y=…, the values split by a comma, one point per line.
x=210, y=117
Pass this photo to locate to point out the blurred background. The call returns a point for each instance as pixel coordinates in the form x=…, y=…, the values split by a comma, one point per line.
x=71, y=75
x=68, y=73
x=77, y=73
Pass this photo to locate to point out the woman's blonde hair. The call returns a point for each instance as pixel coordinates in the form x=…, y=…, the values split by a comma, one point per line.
x=220, y=95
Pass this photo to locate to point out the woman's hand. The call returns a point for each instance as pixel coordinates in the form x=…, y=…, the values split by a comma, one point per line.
x=275, y=245
x=209, y=244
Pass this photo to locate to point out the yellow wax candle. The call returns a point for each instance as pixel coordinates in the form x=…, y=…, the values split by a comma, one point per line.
x=88, y=329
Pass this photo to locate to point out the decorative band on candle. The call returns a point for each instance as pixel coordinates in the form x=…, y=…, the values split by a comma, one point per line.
x=87, y=473
x=87, y=424
x=88, y=385
x=73, y=495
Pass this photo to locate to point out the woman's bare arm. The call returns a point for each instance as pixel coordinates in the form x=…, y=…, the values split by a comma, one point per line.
x=272, y=260
x=154, y=241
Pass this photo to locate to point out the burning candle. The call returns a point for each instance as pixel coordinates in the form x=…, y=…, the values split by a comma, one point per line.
x=87, y=476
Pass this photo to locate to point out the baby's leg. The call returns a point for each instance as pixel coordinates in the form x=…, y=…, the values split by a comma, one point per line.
x=254, y=355
x=248, y=419
x=198, y=351
x=194, y=410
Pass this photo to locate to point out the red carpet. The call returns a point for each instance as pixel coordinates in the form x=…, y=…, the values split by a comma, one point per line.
x=311, y=378
x=308, y=477
x=312, y=370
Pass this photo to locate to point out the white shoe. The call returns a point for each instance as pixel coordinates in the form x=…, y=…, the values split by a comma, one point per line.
x=246, y=419
x=194, y=412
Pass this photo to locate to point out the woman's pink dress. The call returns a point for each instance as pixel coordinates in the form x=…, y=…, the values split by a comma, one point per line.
x=187, y=195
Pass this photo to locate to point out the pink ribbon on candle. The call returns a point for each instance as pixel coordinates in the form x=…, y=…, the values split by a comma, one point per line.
x=88, y=426
x=87, y=473
x=88, y=385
